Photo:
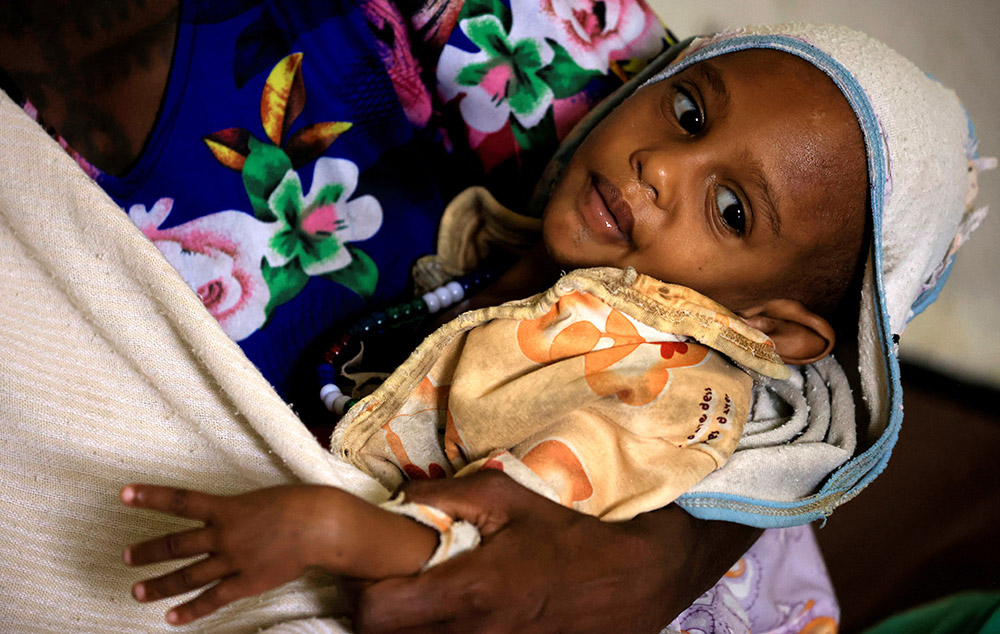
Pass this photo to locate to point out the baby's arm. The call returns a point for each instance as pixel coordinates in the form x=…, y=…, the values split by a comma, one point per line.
x=260, y=540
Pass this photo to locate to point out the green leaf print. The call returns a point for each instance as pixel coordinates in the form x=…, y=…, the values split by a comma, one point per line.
x=264, y=168
x=537, y=137
x=526, y=89
x=284, y=282
x=488, y=34
x=474, y=8
x=360, y=276
x=472, y=74
x=317, y=251
x=329, y=194
x=563, y=75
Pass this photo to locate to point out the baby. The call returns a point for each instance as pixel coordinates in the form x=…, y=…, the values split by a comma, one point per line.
x=744, y=173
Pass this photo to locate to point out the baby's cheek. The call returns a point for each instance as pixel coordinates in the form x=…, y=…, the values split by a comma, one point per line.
x=560, y=236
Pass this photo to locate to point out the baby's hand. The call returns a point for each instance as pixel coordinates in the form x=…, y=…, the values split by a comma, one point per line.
x=254, y=542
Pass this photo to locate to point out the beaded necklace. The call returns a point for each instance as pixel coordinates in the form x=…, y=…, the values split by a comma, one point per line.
x=350, y=344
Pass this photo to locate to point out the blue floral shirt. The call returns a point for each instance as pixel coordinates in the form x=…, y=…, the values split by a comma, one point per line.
x=304, y=151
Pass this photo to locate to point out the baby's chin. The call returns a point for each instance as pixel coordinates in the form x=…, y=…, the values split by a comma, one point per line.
x=574, y=248
x=572, y=256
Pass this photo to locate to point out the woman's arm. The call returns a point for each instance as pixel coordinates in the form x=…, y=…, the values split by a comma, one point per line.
x=545, y=568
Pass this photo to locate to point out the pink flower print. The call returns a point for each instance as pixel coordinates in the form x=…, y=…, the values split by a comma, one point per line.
x=567, y=112
x=593, y=32
x=494, y=82
x=219, y=256
x=392, y=41
x=314, y=227
x=499, y=80
x=550, y=51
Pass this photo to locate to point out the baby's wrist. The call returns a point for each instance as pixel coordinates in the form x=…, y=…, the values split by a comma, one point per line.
x=358, y=539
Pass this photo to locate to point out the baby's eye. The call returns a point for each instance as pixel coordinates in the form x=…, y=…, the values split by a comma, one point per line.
x=731, y=210
x=688, y=113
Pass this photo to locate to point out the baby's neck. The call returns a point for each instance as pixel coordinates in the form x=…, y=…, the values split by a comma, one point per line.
x=532, y=273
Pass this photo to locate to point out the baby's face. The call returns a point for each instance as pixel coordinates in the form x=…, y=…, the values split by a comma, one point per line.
x=725, y=178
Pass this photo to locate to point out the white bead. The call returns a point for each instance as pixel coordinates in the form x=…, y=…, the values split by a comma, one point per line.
x=456, y=291
x=328, y=402
x=339, y=403
x=443, y=295
x=330, y=397
x=326, y=389
x=432, y=301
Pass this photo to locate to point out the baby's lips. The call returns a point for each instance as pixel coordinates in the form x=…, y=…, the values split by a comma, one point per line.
x=616, y=203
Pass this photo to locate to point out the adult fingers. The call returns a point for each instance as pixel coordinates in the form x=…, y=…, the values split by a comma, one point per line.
x=197, y=541
x=226, y=591
x=463, y=626
x=452, y=590
x=477, y=623
x=180, y=502
x=188, y=578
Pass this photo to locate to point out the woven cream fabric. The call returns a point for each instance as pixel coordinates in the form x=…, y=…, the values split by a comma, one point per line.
x=111, y=371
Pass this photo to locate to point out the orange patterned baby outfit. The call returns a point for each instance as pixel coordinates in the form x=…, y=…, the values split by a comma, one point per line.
x=611, y=393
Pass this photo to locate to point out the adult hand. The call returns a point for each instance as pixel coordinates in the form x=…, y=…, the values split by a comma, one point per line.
x=545, y=568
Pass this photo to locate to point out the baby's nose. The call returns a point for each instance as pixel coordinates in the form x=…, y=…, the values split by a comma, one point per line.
x=658, y=173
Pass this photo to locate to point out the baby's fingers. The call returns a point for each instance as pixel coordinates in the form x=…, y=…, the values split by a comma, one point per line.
x=223, y=593
x=192, y=543
x=198, y=574
x=179, y=502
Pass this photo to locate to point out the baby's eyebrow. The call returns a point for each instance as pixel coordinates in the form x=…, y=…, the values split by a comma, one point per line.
x=710, y=74
x=757, y=179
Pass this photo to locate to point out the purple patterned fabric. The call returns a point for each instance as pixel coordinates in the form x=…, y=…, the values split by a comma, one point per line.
x=780, y=586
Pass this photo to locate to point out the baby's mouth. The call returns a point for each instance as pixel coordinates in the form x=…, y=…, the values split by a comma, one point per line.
x=616, y=204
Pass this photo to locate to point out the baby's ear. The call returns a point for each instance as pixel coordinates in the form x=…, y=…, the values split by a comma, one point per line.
x=800, y=336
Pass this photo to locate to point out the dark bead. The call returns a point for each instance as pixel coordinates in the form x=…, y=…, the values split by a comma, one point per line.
x=326, y=374
x=467, y=282
x=394, y=314
x=406, y=313
x=331, y=356
x=338, y=354
x=379, y=319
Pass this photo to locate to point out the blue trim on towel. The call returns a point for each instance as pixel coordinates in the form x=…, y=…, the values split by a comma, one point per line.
x=758, y=520
x=930, y=296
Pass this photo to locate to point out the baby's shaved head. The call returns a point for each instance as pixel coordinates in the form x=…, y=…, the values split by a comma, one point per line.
x=828, y=275
x=833, y=165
